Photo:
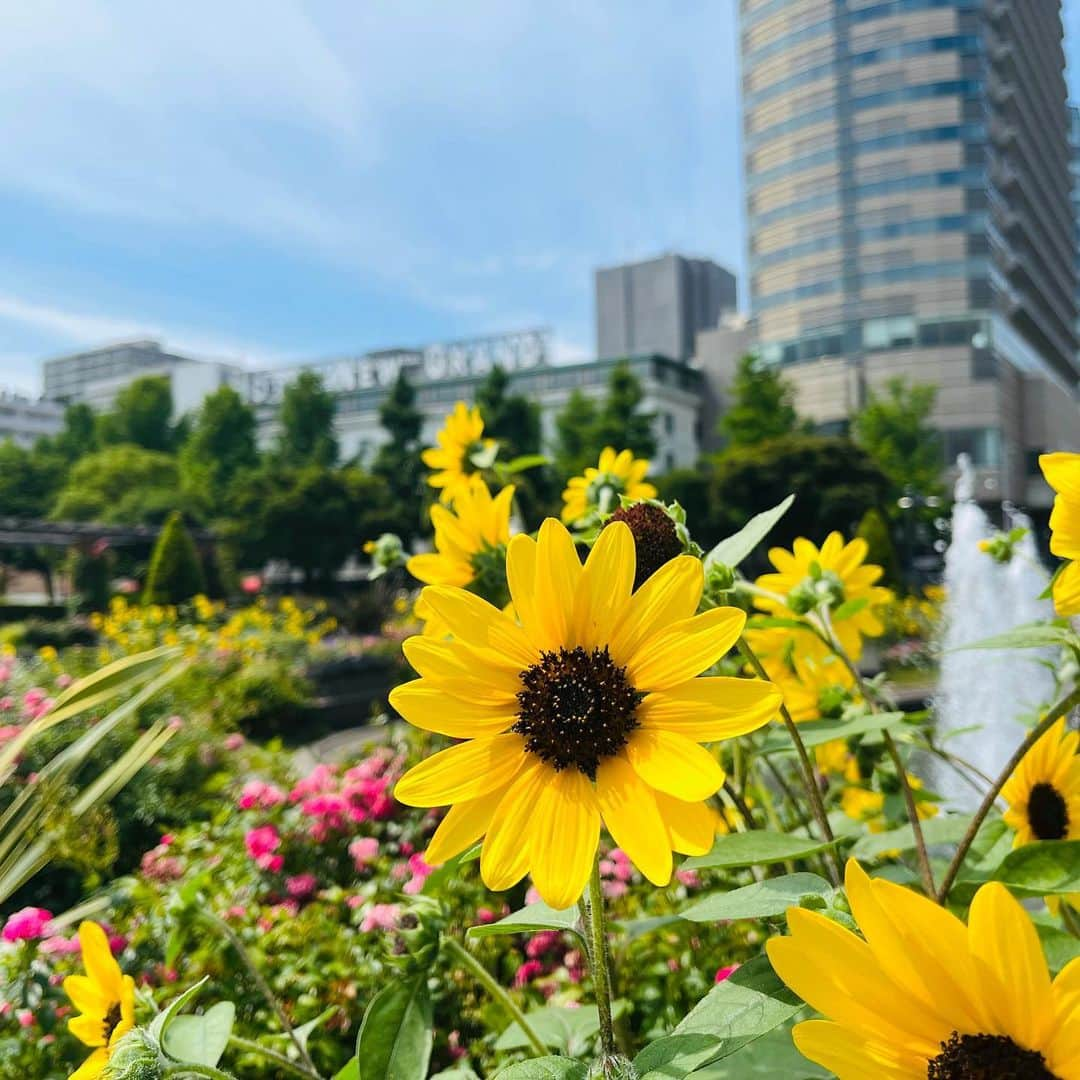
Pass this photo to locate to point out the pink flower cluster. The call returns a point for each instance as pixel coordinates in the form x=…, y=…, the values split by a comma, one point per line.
x=336, y=804
x=262, y=845
x=546, y=953
x=36, y=702
x=615, y=872
x=380, y=917
x=27, y=924
x=364, y=850
x=260, y=795
x=158, y=865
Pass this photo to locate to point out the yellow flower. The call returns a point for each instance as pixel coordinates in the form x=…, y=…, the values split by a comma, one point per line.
x=48, y=653
x=461, y=437
x=477, y=524
x=861, y=804
x=1062, y=472
x=808, y=578
x=105, y=999
x=925, y=997
x=586, y=711
x=599, y=489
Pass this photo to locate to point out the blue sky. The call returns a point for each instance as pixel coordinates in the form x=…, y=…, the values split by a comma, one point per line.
x=269, y=181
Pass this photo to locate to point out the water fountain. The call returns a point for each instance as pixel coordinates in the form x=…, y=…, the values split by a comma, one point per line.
x=992, y=689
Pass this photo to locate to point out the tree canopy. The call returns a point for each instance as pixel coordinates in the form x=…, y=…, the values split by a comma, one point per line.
x=397, y=461
x=762, y=405
x=141, y=416
x=220, y=446
x=307, y=423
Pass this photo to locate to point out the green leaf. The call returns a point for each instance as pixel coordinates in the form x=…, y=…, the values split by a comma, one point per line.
x=394, y=1042
x=817, y=732
x=200, y=1040
x=161, y=1022
x=755, y=848
x=945, y=829
x=745, y=1006
x=569, y=1030
x=849, y=608
x=304, y=1031
x=350, y=1071
x=763, y=899
x=1059, y=947
x=545, y=1068
x=771, y=1057
x=528, y=920
x=524, y=462
x=456, y=1072
x=734, y=549
x=1031, y=636
x=631, y=929
x=1044, y=868
x=485, y=456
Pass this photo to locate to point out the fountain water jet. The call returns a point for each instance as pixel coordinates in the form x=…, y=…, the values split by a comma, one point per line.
x=992, y=689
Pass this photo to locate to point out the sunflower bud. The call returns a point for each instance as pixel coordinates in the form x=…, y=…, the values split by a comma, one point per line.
x=415, y=943
x=135, y=1057
x=386, y=554
x=656, y=537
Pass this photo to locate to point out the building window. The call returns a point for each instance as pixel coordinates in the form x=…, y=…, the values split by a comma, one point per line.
x=897, y=332
x=982, y=445
x=669, y=424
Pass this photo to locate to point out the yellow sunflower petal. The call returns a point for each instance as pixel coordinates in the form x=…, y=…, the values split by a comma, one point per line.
x=685, y=649
x=479, y=623
x=504, y=858
x=851, y=1057
x=93, y=1067
x=89, y=1030
x=435, y=569
x=87, y=997
x=691, y=826
x=450, y=662
x=521, y=578
x=628, y=807
x=463, y=772
x=464, y=824
x=670, y=595
x=605, y=586
x=558, y=578
x=1067, y=590
x=672, y=763
x=563, y=833
x=1062, y=472
x=712, y=708
x=98, y=959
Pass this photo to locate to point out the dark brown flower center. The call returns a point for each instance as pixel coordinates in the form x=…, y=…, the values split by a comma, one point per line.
x=576, y=709
x=112, y=1018
x=1048, y=814
x=986, y=1057
x=655, y=539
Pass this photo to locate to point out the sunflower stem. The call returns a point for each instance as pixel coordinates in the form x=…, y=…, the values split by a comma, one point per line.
x=813, y=792
x=496, y=992
x=280, y=1060
x=1062, y=708
x=197, y=1070
x=592, y=912
x=922, y=855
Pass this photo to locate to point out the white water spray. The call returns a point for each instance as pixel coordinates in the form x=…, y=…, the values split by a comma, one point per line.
x=991, y=689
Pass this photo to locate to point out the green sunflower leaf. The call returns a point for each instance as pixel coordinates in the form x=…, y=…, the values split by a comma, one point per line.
x=1044, y=868
x=818, y=732
x=196, y=1039
x=396, y=1033
x=1032, y=636
x=545, y=1068
x=756, y=847
x=945, y=829
x=528, y=920
x=734, y=549
x=763, y=899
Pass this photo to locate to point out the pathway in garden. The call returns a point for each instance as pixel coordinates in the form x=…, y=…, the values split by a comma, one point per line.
x=340, y=745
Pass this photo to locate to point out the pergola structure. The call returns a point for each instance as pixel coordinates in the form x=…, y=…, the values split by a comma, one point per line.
x=35, y=532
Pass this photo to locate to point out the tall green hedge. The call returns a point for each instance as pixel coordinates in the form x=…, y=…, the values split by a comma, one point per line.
x=176, y=574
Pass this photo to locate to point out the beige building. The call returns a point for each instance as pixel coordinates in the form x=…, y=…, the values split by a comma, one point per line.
x=910, y=213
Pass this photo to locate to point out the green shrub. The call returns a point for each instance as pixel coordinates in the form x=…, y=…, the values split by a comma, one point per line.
x=176, y=574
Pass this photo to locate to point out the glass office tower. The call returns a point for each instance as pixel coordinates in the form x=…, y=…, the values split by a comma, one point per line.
x=910, y=213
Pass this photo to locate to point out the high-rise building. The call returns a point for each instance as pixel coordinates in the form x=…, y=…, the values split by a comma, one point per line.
x=910, y=214
x=659, y=305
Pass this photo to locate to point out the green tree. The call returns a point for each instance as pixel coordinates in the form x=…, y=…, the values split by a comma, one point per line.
x=834, y=482
x=762, y=405
x=29, y=480
x=620, y=422
x=175, y=574
x=79, y=435
x=141, y=415
x=307, y=423
x=575, y=446
x=511, y=418
x=881, y=551
x=221, y=445
x=894, y=429
x=397, y=461
x=120, y=485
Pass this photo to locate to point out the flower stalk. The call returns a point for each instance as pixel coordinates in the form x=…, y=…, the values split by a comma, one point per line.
x=496, y=992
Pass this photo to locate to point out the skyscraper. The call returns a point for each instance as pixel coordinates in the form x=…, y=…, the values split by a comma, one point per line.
x=910, y=213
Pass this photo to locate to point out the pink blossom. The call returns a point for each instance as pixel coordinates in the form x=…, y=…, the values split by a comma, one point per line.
x=9, y=731
x=380, y=917
x=690, y=878
x=531, y=895
x=320, y=780
x=527, y=972
x=353, y=902
x=58, y=945
x=27, y=924
x=484, y=915
x=301, y=886
x=7, y=703
x=251, y=584
x=614, y=889
x=420, y=873
x=175, y=723
x=364, y=850
x=233, y=741
x=261, y=843
x=5, y=1007
x=454, y=1047
x=235, y=912
x=118, y=943
x=546, y=941
x=64, y=680
x=258, y=794
x=25, y=1018
x=726, y=972
x=34, y=697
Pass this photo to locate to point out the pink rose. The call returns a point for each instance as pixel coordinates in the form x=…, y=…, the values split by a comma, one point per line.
x=301, y=886
x=364, y=850
x=27, y=924
x=380, y=917
x=261, y=844
x=726, y=972
x=233, y=741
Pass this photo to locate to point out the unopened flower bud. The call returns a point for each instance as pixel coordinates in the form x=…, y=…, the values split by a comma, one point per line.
x=135, y=1057
x=415, y=943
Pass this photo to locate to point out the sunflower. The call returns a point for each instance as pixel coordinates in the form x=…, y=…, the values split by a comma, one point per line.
x=925, y=997
x=460, y=438
x=105, y=999
x=584, y=711
x=599, y=490
x=809, y=578
x=470, y=539
x=1062, y=472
